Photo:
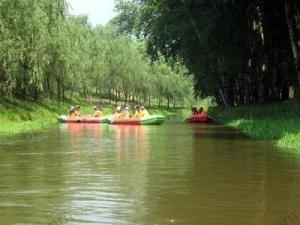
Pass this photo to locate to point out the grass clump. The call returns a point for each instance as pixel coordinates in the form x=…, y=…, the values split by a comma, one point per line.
x=278, y=122
x=18, y=116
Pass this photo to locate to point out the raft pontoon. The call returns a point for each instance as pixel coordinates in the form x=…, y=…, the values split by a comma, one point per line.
x=147, y=120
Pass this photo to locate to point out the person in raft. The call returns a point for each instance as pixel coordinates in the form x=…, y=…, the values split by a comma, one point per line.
x=126, y=114
x=137, y=111
x=72, y=111
x=98, y=111
x=118, y=113
x=143, y=112
x=77, y=111
x=194, y=111
x=201, y=112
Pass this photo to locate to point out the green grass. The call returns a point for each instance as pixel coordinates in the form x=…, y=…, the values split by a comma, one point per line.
x=18, y=116
x=277, y=122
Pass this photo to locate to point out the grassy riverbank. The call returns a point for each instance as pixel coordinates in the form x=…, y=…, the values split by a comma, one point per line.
x=17, y=116
x=278, y=122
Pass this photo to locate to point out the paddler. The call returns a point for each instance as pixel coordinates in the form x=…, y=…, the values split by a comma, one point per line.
x=98, y=112
x=143, y=112
x=77, y=111
x=72, y=111
x=194, y=111
x=126, y=114
x=137, y=111
x=201, y=112
x=118, y=113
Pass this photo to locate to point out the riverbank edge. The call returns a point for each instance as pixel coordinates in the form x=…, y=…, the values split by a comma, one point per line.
x=279, y=123
x=23, y=116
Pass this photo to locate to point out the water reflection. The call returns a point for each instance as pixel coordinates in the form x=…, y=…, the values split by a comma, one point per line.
x=171, y=174
x=131, y=142
x=77, y=129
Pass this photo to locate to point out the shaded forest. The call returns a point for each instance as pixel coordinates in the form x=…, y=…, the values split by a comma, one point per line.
x=241, y=52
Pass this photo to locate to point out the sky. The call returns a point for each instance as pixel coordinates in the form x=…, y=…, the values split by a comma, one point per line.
x=98, y=11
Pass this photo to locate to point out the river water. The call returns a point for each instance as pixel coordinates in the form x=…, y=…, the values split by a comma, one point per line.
x=170, y=174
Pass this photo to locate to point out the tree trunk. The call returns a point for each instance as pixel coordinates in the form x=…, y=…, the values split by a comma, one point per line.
x=72, y=91
x=149, y=101
x=109, y=96
x=63, y=92
x=116, y=97
x=100, y=96
x=291, y=23
x=58, y=89
x=126, y=96
x=159, y=102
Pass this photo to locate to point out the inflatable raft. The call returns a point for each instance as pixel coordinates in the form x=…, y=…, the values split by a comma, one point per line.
x=200, y=119
x=147, y=120
x=84, y=119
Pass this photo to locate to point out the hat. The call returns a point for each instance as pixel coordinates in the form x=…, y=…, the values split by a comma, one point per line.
x=119, y=108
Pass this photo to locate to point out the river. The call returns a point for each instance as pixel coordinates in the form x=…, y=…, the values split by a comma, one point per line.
x=158, y=175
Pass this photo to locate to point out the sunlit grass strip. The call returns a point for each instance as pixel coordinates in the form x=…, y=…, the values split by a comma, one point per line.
x=278, y=122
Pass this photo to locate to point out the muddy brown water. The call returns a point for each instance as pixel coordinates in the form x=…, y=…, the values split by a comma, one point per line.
x=171, y=174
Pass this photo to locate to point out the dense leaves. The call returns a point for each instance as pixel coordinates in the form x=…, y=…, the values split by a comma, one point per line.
x=45, y=52
x=241, y=52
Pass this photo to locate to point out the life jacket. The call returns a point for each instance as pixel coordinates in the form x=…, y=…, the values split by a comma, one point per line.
x=143, y=113
x=72, y=114
x=98, y=113
x=136, y=114
x=203, y=113
x=146, y=113
x=126, y=114
x=195, y=112
x=118, y=115
x=77, y=113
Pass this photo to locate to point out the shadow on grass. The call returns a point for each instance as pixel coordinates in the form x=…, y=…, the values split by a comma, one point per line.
x=280, y=122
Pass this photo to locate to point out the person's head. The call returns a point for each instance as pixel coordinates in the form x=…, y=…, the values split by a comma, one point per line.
x=77, y=107
x=137, y=107
x=200, y=109
x=142, y=107
x=119, y=109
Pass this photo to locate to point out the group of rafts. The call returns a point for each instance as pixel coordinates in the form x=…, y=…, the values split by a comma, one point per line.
x=123, y=116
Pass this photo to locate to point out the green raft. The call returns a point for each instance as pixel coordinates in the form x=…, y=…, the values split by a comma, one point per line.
x=147, y=120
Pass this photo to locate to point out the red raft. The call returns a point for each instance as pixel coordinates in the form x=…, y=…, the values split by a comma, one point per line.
x=201, y=118
x=86, y=119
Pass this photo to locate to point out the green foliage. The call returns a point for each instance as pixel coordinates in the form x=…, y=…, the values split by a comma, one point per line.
x=238, y=51
x=278, y=122
x=45, y=52
x=22, y=116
